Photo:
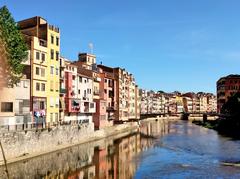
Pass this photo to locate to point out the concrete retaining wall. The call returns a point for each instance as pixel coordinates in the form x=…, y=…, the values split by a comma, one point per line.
x=21, y=145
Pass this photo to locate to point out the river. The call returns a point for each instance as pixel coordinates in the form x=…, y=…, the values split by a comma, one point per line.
x=175, y=149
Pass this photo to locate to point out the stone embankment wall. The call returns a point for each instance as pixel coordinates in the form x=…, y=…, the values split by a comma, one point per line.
x=20, y=145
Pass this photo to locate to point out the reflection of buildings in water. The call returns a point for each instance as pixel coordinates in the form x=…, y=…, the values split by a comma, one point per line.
x=114, y=161
x=155, y=129
x=103, y=160
x=151, y=130
x=75, y=161
x=126, y=149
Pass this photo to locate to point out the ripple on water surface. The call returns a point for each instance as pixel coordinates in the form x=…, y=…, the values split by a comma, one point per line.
x=189, y=151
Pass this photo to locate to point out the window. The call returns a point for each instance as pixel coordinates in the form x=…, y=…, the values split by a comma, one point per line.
x=57, y=41
x=51, y=102
x=57, y=86
x=79, y=91
x=105, y=91
x=43, y=57
x=80, y=79
x=56, y=117
x=91, y=105
x=57, y=103
x=43, y=87
x=105, y=80
x=51, y=117
x=37, y=55
x=89, y=91
x=42, y=72
x=56, y=71
x=37, y=71
x=6, y=107
x=38, y=86
x=52, y=70
x=51, y=85
x=57, y=55
x=52, y=39
x=42, y=105
x=52, y=54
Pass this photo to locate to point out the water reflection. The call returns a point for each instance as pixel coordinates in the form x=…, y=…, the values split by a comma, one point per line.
x=190, y=151
x=104, y=159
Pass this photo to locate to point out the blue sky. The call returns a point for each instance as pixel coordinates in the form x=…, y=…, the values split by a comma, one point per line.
x=169, y=45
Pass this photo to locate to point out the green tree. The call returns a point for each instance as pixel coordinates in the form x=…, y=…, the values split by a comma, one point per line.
x=13, y=44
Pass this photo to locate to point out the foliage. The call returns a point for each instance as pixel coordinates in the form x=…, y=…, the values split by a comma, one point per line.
x=13, y=44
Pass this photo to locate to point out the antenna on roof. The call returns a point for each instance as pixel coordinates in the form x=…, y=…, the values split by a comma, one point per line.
x=90, y=45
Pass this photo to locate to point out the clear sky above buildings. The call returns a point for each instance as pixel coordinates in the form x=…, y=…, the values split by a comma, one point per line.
x=168, y=45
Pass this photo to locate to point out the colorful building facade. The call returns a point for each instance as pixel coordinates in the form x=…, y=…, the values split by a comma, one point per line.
x=43, y=40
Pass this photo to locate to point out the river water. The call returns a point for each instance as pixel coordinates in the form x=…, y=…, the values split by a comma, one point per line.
x=176, y=149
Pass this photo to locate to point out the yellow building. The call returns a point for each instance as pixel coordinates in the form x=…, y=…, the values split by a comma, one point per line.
x=53, y=74
x=44, y=44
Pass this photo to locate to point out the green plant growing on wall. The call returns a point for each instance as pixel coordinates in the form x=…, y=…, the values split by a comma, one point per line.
x=14, y=45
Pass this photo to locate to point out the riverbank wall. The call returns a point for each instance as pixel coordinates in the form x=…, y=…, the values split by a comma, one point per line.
x=23, y=145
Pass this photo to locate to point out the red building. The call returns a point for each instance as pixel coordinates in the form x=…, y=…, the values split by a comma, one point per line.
x=226, y=87
x=104, y=115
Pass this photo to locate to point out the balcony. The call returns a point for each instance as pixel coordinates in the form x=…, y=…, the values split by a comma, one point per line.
x=89, y=107
x=111, y=109
x=62, y=90
x=42, y=43
x=97, y=79
x=72, y=105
